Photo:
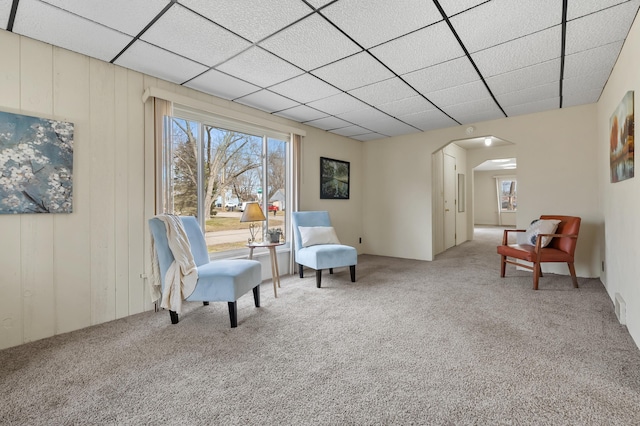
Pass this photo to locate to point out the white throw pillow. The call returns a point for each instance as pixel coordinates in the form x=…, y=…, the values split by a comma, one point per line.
x=541, y=226
x=313, y=235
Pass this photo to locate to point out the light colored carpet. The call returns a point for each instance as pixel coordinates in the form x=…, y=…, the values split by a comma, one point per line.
x=443, y=342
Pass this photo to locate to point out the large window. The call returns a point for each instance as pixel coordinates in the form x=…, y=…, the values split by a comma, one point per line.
x=211, y=167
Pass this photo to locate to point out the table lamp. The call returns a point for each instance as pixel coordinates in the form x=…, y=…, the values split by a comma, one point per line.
x=252, y=213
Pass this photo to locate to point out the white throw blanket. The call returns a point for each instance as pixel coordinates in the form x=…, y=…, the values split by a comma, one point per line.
x=182, y=275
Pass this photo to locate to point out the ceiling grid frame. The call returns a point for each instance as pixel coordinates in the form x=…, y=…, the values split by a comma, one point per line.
x=581, y=49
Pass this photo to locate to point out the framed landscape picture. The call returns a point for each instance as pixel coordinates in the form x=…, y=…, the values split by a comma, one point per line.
x=334, y=179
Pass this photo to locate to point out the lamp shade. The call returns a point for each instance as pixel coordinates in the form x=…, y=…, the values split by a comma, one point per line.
x=252, y=213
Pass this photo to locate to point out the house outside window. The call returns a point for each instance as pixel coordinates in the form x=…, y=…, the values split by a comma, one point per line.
x=211, y=167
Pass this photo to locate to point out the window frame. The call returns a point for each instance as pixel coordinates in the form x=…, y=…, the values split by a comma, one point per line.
x=499, y=181
x=205, y=118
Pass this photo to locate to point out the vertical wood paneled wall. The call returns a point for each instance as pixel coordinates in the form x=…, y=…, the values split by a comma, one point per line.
x=62, y=272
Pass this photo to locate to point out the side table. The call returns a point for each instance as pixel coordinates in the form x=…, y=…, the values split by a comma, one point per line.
x=275, y=274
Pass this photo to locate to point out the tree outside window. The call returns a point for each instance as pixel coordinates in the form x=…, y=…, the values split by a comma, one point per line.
x=209, y=172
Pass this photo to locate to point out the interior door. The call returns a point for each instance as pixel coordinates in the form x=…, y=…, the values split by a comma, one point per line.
x=449, y=201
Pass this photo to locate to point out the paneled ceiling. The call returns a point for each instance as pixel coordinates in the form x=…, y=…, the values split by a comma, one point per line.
x=365, y=69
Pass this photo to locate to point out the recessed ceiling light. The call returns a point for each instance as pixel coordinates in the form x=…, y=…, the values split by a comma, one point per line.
x=487, y=141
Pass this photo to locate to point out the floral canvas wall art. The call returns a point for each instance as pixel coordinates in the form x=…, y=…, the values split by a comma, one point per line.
x=36, y=164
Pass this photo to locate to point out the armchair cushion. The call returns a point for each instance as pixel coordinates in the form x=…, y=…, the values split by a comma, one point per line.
x=314, y=235
x=541, y=226
x=325, y=256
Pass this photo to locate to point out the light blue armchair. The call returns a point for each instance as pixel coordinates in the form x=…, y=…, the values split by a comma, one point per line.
x=219, y=280
x=316, y=255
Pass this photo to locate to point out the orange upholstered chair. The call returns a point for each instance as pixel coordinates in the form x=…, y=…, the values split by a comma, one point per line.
x=560, y=249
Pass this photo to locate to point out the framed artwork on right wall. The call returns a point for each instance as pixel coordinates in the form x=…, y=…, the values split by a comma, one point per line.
x=621, y=140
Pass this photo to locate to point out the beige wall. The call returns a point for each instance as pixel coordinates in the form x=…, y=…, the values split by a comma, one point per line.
x=620, y=201
x=67, y=271
x=486, y=198
x=475, y=158
x=64, y=272
x=556, y=152
x=345, y=215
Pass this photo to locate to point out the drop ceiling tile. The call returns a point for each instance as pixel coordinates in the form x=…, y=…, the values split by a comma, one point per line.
x=587, y=61
x=459, y=94
x=305, y=88
x=127, y=16
x=351, y=131
x=46, y=23
x=498, y=21
x=539, y=106
x=253, y=20
x=369, y=137
x=319, y=3
x=259, y=67
x=442, y=76
x=607, y=26
x=328, y=123
x=310, y=43
x=267, y=101
x=355, y=71
x=390, y=127
x=407, y=53
x=588, y=82
x=221, y=85
x=429, y=120
x=582, y=98
x=519, y=53
x=207, y=43
x=384, y=91
x=338, y=104
x=301, y=113
x=523, y=78
x=452, y=7
x=577, y=9
x=381, y=20
x=5, y=12
x=475, y=111
x=530, y=94
x=365, y=115
x=152, y=60
x=406, y=106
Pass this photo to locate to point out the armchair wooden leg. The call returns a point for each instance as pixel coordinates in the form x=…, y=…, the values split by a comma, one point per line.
x=233, y=314
x=205, y=303
x=174, y=317
x=318, y=277
x=572, y=271
x=331, y=271
x=300, y=270
x=256, y=296
x=503, y=265
x=536, y=275
x=352, y=270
